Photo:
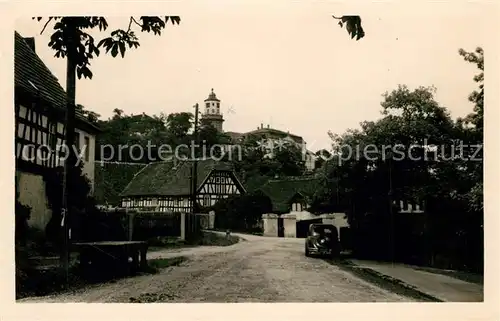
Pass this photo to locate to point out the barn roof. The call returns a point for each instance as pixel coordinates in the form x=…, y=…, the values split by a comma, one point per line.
x=33, y=77
x=282, y=191
x=171, y=179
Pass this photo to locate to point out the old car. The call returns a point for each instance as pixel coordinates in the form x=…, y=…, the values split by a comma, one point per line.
x=323, y=240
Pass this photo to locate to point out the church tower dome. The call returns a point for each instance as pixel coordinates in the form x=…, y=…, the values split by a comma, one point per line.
x=212, y=112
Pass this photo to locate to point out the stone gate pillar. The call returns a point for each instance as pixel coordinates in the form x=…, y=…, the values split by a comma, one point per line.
x=183, y=226
x=211, y=220
x=290, y=224
x=270, y=222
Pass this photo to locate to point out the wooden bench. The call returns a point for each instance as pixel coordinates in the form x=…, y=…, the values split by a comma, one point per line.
x=117, y=257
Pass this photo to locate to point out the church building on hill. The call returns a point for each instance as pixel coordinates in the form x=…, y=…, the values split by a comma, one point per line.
x=212, y=112
x=213, y=115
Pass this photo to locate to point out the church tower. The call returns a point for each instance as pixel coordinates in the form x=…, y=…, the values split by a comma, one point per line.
x=212, y=111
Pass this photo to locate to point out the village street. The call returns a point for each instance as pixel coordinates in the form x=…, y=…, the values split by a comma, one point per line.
x=257, y=269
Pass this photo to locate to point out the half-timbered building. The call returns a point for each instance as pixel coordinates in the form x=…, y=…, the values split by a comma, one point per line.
x=166, y=186
x=40, y=105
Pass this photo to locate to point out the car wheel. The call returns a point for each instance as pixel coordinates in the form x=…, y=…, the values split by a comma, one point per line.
x=307, y=252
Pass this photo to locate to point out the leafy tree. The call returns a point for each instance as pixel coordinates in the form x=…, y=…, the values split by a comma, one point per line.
x=285, y=159
x=127, y=130
x=477, y=96
x=290, y=160
x=242, y=212
x=79, y=198
x=472, y=130
x=91, y=116
x=71, y=40
x=179, y=124
x=364, y=183
x=321, y=157
x=352, y=25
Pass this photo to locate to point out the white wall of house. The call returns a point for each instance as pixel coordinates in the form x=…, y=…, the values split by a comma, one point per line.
x=32, y=193
x=32, y=186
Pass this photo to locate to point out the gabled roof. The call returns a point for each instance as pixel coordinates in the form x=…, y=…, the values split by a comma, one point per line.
x=170, y=179
x=271, y=132
x=282, y=191
x=234, y=136
x=32, y=76
x=255, y=182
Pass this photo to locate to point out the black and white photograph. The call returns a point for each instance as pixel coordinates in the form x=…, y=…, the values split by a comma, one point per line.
x=288, y=152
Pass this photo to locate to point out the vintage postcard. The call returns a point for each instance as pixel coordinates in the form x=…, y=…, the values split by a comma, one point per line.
x=298, y=153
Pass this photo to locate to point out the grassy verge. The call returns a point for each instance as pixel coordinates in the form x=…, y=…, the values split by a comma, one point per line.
x=155, y=265
x=383, y=281
x=214, y=239
x=206, y=238
x=256, y=231
x=161, y=243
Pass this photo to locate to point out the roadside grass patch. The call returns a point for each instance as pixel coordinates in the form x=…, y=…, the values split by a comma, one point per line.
x=254, y=231
x=383, y=281
x=214, y=239
x=162, y=243
x=206, y=238
x=155, y=265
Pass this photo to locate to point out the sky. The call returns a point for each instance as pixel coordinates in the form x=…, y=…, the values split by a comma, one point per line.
x=289, y=66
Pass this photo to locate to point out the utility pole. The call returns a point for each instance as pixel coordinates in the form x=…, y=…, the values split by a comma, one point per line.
x=194, y=169
x=69, y=162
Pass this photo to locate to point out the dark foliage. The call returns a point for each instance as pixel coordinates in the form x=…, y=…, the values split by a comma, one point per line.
x=447, y=181
x=241, y=213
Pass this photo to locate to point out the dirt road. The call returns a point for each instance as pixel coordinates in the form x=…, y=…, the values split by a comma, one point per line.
x=256, y=270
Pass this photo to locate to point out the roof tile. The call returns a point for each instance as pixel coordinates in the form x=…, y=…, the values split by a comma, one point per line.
x=169, y=179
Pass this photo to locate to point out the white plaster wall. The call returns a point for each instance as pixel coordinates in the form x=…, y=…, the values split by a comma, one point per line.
x=211, y=220
x=338, y=219
x=32, y=193
x=303, y=215
x=270, y=223
x=290, y=225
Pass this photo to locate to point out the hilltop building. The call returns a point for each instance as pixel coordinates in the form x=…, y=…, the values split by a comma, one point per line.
x=275, y=137
x=212, y=112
